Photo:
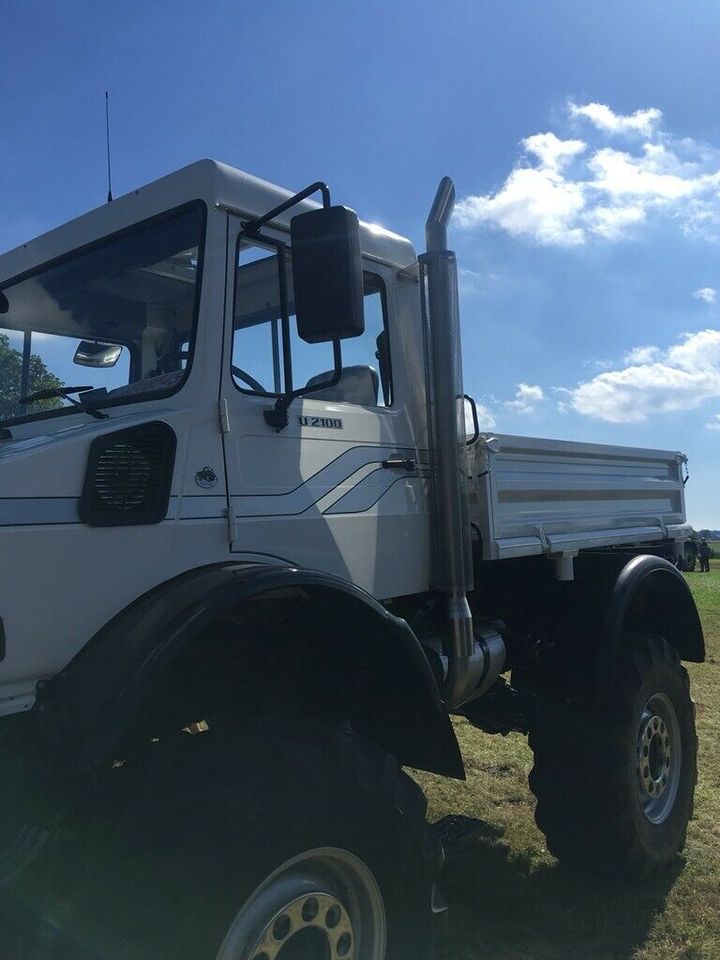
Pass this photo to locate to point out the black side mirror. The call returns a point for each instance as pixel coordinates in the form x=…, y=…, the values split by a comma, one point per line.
x=327, y=274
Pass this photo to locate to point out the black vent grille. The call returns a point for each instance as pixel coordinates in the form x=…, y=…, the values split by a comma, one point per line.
x=128, y=477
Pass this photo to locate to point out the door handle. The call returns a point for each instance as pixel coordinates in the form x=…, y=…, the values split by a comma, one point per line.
x=399, y=463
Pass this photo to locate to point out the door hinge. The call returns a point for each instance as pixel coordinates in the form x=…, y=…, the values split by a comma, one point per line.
x=231, y=525
x=224, y=417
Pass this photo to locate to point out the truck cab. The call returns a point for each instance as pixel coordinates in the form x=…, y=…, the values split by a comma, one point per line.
x=167, y=315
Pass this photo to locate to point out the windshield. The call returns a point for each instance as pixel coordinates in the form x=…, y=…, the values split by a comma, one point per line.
x=118, y=317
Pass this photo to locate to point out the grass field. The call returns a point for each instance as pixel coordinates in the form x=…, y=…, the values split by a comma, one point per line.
x=509, y=898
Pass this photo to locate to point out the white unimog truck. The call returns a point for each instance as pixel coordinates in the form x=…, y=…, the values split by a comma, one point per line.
x=251, y=563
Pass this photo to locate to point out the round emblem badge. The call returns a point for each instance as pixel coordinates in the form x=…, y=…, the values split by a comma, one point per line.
x=206, y=478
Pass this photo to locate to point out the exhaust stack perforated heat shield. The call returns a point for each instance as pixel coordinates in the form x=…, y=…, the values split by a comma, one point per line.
x=452, y=571
x=451, y=555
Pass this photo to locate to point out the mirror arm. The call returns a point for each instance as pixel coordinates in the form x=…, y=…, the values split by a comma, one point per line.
x=251, y=226
x=285, y=316
x=277, y=416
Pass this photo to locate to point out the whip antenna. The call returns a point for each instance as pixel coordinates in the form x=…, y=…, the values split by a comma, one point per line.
x=107, y=138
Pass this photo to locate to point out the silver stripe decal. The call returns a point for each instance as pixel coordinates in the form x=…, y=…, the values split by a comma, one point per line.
x=360, y=495
x=30, y=511
x=366, y=494
x=208, y=507
x=39, y=511
x=307, y=494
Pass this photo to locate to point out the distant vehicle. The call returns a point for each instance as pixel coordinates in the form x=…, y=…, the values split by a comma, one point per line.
x=253, y=563
x=687, y=561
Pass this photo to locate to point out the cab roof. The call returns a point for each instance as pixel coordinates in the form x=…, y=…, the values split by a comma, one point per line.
x=220, y=186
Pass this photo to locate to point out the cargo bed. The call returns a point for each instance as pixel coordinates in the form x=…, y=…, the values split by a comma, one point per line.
x=530, y=496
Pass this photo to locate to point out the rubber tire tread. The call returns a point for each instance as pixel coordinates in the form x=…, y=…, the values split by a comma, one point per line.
x=583, y=776
x=22, y=845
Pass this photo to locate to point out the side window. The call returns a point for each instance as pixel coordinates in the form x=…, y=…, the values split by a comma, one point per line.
x=268, y=360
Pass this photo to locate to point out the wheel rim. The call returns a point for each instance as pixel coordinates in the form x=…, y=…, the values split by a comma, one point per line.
x=324, y=904
x=659, y=758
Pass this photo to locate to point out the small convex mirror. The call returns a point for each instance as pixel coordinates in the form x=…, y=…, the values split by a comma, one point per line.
x=327, y=274
x=91, y=353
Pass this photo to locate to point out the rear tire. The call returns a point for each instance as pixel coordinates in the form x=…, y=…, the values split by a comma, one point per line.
x=615, y=788
x=293, y=840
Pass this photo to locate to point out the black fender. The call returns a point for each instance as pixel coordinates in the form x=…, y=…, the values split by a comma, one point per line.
x=87, y=708
x=649, y=595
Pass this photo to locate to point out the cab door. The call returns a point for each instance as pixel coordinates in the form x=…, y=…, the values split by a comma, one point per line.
x=338, y=489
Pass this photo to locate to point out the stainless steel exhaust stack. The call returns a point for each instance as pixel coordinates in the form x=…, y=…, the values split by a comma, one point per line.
x=452, y=557
x=439, y=216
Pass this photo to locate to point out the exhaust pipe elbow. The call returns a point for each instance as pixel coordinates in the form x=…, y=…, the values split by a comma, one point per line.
x=439, y=216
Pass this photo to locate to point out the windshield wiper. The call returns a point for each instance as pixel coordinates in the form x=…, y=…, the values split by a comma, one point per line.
x=53, y=392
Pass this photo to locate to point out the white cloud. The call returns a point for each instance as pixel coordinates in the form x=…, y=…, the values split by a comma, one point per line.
x=473, y=283
x=565, y=192
x=612, y=223
x=598, y=364
x=486, y=420
x=526, y=396
x=532, y=392
x=697, y=351
x=536, y=202
x=641, y=355
x=714, y=424
x=552, y=152
x=657, y=175
x=653, y=381
x=708, y=294
x=643, y=122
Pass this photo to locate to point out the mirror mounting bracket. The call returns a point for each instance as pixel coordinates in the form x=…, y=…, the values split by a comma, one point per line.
x=252, y=226
x=277, y=416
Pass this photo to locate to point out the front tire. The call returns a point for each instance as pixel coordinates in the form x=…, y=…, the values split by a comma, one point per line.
x=292, y=840
x=22, y=840
x=615, y=788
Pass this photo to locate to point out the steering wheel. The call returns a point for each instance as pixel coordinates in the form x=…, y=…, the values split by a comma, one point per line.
x=246, y=378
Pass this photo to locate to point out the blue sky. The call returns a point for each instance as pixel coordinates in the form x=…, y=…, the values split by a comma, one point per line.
x=584, y=140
